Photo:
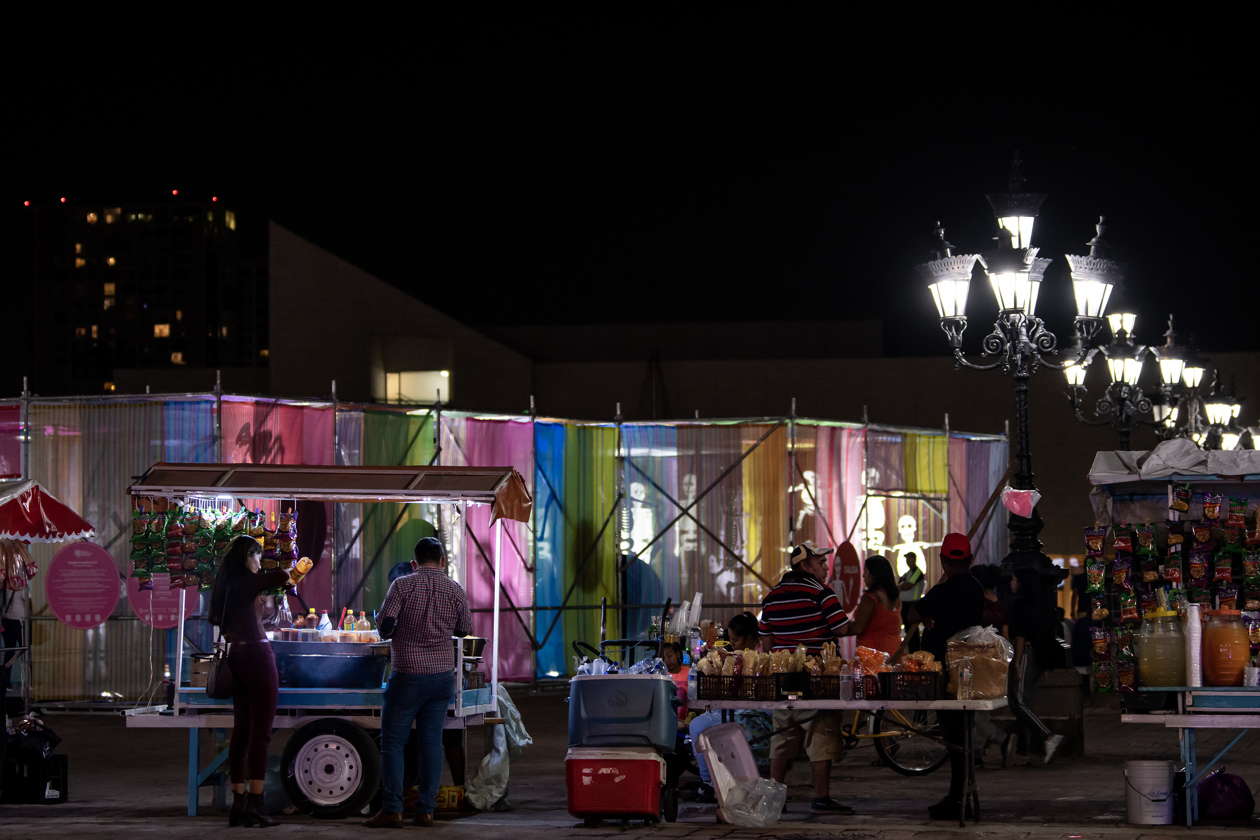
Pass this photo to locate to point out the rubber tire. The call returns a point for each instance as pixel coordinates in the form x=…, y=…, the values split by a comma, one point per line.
x=926, y=745
x=362, y=756
x=669, y=803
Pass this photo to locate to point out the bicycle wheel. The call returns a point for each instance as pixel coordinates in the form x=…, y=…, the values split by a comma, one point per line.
x=910, y=742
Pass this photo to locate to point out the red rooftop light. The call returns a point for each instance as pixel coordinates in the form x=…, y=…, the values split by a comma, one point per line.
x=26, y=204
x=214, y=198
x=174, y=192
x=63, y=199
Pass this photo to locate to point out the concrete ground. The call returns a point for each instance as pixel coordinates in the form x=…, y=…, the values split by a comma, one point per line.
x=131, y=783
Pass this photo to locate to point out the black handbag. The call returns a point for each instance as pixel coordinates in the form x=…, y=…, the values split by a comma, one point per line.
x=220, y=682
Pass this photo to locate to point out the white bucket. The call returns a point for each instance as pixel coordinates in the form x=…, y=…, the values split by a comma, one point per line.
x=1148, y=787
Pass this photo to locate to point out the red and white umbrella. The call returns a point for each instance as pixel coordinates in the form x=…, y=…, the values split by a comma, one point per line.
x=29, y=513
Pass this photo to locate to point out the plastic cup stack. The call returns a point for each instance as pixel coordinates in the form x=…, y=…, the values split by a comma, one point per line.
x=1194, y=646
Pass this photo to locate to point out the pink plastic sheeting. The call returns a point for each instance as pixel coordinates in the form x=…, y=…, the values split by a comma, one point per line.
x=499, y=443
x=269, y=432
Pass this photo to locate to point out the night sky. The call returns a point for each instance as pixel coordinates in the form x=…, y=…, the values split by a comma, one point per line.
x=580, y=173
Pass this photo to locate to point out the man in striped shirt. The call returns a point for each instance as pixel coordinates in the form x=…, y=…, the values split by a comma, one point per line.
x=802, y=610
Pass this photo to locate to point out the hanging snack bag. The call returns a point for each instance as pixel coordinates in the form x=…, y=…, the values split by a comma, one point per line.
x=1096, y=574
x=1181, y=496
x=1231, y=541
x=1129, y=609
x=1145, y=535
x=1172, y=566
x=1148, y=599
x=1237, y=517
x=287, y=523
x=1126, y=677
x=139, y=524
x=1101, y=643
x=258, y=524
x=1176, y=531
x=1202, y=532
x=1094, y=538
x=1199, y=595
x=1222, y=568
x=1102, y=677
x=1252, y=537
x=1123, y=543
x=1124, y=644
x=1198, y=567
x=1098, y=608
x=1149, y=568
x=1212, y=508
x=1251, y=567
x=1252, y=623
x=1121, y=570
x=1227, y=597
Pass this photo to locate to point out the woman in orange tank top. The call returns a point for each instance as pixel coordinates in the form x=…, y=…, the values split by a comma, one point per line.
x=877, y=621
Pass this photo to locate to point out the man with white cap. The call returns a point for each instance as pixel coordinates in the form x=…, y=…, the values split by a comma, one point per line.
x=802, y=610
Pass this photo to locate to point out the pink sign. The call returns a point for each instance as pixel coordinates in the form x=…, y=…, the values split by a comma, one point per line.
x=159, y=607
x=82, y=585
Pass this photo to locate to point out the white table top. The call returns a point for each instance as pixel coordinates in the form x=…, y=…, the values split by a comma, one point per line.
x=865, y=705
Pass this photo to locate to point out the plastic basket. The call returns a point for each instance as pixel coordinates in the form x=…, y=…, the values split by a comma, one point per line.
x=715, y=687
x=822, y=688
x=871, y=688
x=909, y=685
x=755, y=688
x=796, y=683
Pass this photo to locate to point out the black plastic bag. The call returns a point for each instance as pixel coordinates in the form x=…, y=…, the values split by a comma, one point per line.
x=29, y=740
x=1225, y=796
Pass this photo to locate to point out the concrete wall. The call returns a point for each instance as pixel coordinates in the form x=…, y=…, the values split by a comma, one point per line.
x=326, y=315
x=913, y=392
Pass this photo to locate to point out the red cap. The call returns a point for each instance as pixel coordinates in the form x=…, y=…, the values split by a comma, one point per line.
x=956, y=547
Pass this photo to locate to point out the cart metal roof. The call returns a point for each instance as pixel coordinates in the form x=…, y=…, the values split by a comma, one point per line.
x=501, y=487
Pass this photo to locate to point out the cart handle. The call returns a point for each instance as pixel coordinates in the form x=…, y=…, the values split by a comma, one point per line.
x=589, y=651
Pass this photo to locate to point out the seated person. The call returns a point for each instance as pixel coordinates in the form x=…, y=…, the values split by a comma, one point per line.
x=743, y=635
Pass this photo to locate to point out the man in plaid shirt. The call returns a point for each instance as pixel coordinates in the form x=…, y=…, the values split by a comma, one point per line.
x=420, y=614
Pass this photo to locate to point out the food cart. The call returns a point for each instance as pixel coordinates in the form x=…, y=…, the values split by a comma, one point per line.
x=1139, y=486
x=331, y=765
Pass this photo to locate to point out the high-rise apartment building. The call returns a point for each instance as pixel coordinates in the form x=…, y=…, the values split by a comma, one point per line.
x=147, y=285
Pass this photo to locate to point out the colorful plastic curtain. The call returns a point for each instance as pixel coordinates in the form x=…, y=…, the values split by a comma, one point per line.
x=574, y=508
x=976, y=466
x=471, y=441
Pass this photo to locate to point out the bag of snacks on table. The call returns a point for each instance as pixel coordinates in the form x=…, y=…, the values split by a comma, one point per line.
x=989, y=655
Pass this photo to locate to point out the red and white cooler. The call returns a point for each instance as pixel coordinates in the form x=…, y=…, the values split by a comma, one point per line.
x=614, y=782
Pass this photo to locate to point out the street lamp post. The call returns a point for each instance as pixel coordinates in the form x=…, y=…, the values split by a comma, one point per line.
x=1020, y=341
x=1123, y=403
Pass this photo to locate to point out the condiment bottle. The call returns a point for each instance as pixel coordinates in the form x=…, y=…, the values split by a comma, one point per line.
x=1226, y=648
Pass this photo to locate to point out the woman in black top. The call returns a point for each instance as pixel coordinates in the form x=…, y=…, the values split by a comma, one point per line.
x=1031, y=624
x=237, y=606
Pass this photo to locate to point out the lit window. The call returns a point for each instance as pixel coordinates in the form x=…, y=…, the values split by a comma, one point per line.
x=264, y=352
x=417, y=386
x=112, y=214
x=109, y=386
x=78, y=247
x=109, y=303
x=222, y=332
x=179, y=314
x=177, y=358
x=111, y=261
x=94, y=331
x=229, y=218
x=161, y=330
x=91, y=218
x=79, y=262
x=209, y=215
x=80, y=332
x=109, y=288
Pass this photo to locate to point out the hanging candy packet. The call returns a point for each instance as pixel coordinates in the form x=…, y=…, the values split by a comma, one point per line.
x=1129, y=609
x=1176, y=531
x=1212, y=508
x=1148, y=599
x=1149, y=568
x=1227, y=597
x=1126, y=677
x=1145, y=535
x=1251, y=567
x=1100, y=639
x=1231, y=541
x=1202, y=532
x=1172, y=566
x=1199, y=595
x=1181, y=496
x=1198, y=567
x=1123, y=543
x=1102, y=677
x=1094, y=541
x=1120, y=572
x=1096, y=574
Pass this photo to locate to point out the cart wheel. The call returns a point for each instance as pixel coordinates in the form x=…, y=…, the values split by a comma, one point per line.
x=331, y=769
x=911, y=741
x=669, y=803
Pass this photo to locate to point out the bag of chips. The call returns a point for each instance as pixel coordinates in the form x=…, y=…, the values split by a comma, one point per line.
x=1181, y=496
x=1199, y=567
x=1100, y=641
x=1124, y=644
x=1098, y=608
x=1202, y=532
x=1237, y=513
x=1145, y=535
x=1172, y=565
x=1102, y=677
x=1123, y=543
x=1227, y=597
x=1212, y=508
x=1129, y=609
x=1120, y=572
x=1222, y=568
x=1126, y=677
x=1095, y=574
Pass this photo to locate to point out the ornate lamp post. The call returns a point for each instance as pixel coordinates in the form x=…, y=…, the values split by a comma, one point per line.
x=1020, y=340
x=1122, y=404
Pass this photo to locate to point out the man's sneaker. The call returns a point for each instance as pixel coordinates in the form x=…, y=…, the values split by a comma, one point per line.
x=827, y=805
x=1021, y=760
x=1052, y=746
x=705, y=794
x=948, y=809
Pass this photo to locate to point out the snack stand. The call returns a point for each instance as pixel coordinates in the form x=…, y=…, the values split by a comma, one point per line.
x=331, y=764
x=1132, y=487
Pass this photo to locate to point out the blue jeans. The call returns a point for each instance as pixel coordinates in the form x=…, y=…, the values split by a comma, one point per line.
x=422, y=698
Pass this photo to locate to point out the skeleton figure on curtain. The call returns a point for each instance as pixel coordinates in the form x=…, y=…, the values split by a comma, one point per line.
x=808, y=490
x=907, y=526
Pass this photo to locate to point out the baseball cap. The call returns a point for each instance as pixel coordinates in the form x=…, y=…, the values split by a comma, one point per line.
x=807, y=549
x=956, y=547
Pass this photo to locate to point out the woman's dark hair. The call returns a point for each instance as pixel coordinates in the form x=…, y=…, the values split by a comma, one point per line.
x=744, y=624
x=988, y=575
x=881, y=571
x=234, y=566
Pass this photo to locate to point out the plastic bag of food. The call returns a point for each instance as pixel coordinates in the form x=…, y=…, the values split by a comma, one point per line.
x=756, y=803
x=989, y=656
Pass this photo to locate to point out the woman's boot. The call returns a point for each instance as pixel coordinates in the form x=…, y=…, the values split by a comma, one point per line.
x=254, y=813
x=236, y=816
